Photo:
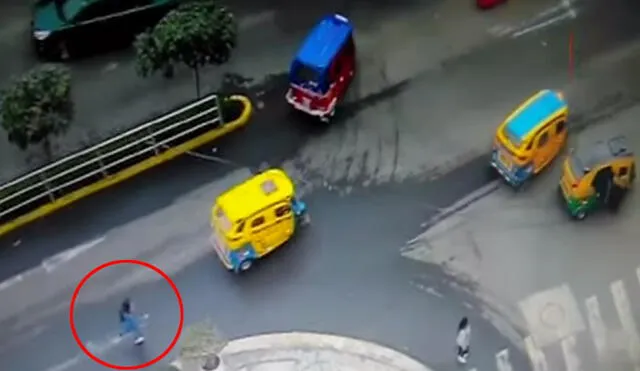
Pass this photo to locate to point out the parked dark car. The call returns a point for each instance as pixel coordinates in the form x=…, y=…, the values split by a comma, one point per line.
x=64, y=28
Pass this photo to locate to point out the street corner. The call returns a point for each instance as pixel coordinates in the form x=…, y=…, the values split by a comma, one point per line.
x=297, y=351
x=552, y=315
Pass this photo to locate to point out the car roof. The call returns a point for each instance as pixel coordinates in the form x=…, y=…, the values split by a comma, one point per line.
x=255, y=194
x=604, y=151
x=531, y=113
x=325, y=41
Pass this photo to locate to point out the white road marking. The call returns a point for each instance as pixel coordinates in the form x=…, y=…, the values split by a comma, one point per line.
x=621, y=301
x=50, y=264
x=66, y=364
x=258, y=19
x=538, y=360
x=96, y=349
x=502, y=360
x=11, y=281
x=597, y=326
x=569, y=14
x=112, y=66
x=552, y=315
x=571, y=359
x=100, y=348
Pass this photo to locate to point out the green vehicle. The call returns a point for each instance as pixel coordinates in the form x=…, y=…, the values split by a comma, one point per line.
x=597, y=176
x=64, y=28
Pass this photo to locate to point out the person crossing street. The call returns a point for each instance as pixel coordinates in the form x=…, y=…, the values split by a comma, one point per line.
x=463, y=340
x=130, y=322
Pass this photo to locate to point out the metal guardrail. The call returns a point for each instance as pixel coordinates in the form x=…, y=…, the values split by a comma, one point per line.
x=87, y=166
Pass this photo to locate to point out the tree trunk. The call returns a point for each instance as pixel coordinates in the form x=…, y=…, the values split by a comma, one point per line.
x=196, y=73
x=46, y=148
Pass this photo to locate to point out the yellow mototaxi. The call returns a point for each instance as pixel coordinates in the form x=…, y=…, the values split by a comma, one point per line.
x=530, y=138
x=255, y=217
x=596, y=176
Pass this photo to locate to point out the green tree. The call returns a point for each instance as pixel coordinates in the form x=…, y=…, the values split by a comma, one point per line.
x=197, y=33
x=37, y=106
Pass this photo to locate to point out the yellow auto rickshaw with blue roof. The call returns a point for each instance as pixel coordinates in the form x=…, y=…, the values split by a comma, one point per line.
x=530, y=137
x=253, y=218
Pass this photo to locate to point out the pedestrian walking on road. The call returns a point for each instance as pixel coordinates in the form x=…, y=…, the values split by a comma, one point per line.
x=463, y=339
x=130, y=322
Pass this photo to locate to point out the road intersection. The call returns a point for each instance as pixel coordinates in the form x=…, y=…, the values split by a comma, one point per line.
x=409, y=145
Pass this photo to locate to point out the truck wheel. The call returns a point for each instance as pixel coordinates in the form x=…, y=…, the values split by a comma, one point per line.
x=580, y=215
x=244, y=266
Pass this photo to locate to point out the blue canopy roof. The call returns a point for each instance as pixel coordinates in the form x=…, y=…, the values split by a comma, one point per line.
x=539, y=109
x=324, y=41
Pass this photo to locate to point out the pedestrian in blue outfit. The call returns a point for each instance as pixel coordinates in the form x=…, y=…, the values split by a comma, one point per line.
x=130, y=322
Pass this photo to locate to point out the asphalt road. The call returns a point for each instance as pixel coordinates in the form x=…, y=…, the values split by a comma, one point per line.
x=394, y=44
x=573, y=285
x=344, y=274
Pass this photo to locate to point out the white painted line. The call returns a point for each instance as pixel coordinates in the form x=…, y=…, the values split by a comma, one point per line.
x=537, y=358
x=552, y=10
x=50, y=264
x=502, y=360
x=623, y=307
x=549, y=22
x=65, y=365
x=597, y=326
x=258, y=19
x=571, y=359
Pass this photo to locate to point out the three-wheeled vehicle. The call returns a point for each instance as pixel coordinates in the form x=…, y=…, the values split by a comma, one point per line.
x=598, y=176
x=255, y=217
x=530, y=137
x=323, y=68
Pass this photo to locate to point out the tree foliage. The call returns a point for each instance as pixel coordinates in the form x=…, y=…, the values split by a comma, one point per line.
x=197, y=33
x=37, y=106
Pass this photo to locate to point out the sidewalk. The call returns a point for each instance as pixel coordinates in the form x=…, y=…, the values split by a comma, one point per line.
x=395, y=43
x=572, y=285
x=298, y=351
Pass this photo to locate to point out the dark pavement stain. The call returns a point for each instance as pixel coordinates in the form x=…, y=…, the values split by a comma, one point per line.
x=275, y=134
x=350, y=109
x=346, y=260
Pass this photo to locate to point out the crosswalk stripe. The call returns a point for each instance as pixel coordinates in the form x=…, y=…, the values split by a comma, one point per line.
x=538, y=360
x=571, y=358
x=621, y=301
x=597, y=326
x=502, y=360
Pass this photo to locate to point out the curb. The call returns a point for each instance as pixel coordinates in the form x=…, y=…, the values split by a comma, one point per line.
x=463, y=203
x=308, y=340
x=133, y=170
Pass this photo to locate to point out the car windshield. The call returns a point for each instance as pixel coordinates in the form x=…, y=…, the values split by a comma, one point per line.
x=577, y=167
x=223, y=221
x=306, y=75
x=70, y=8
x=515, y=140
